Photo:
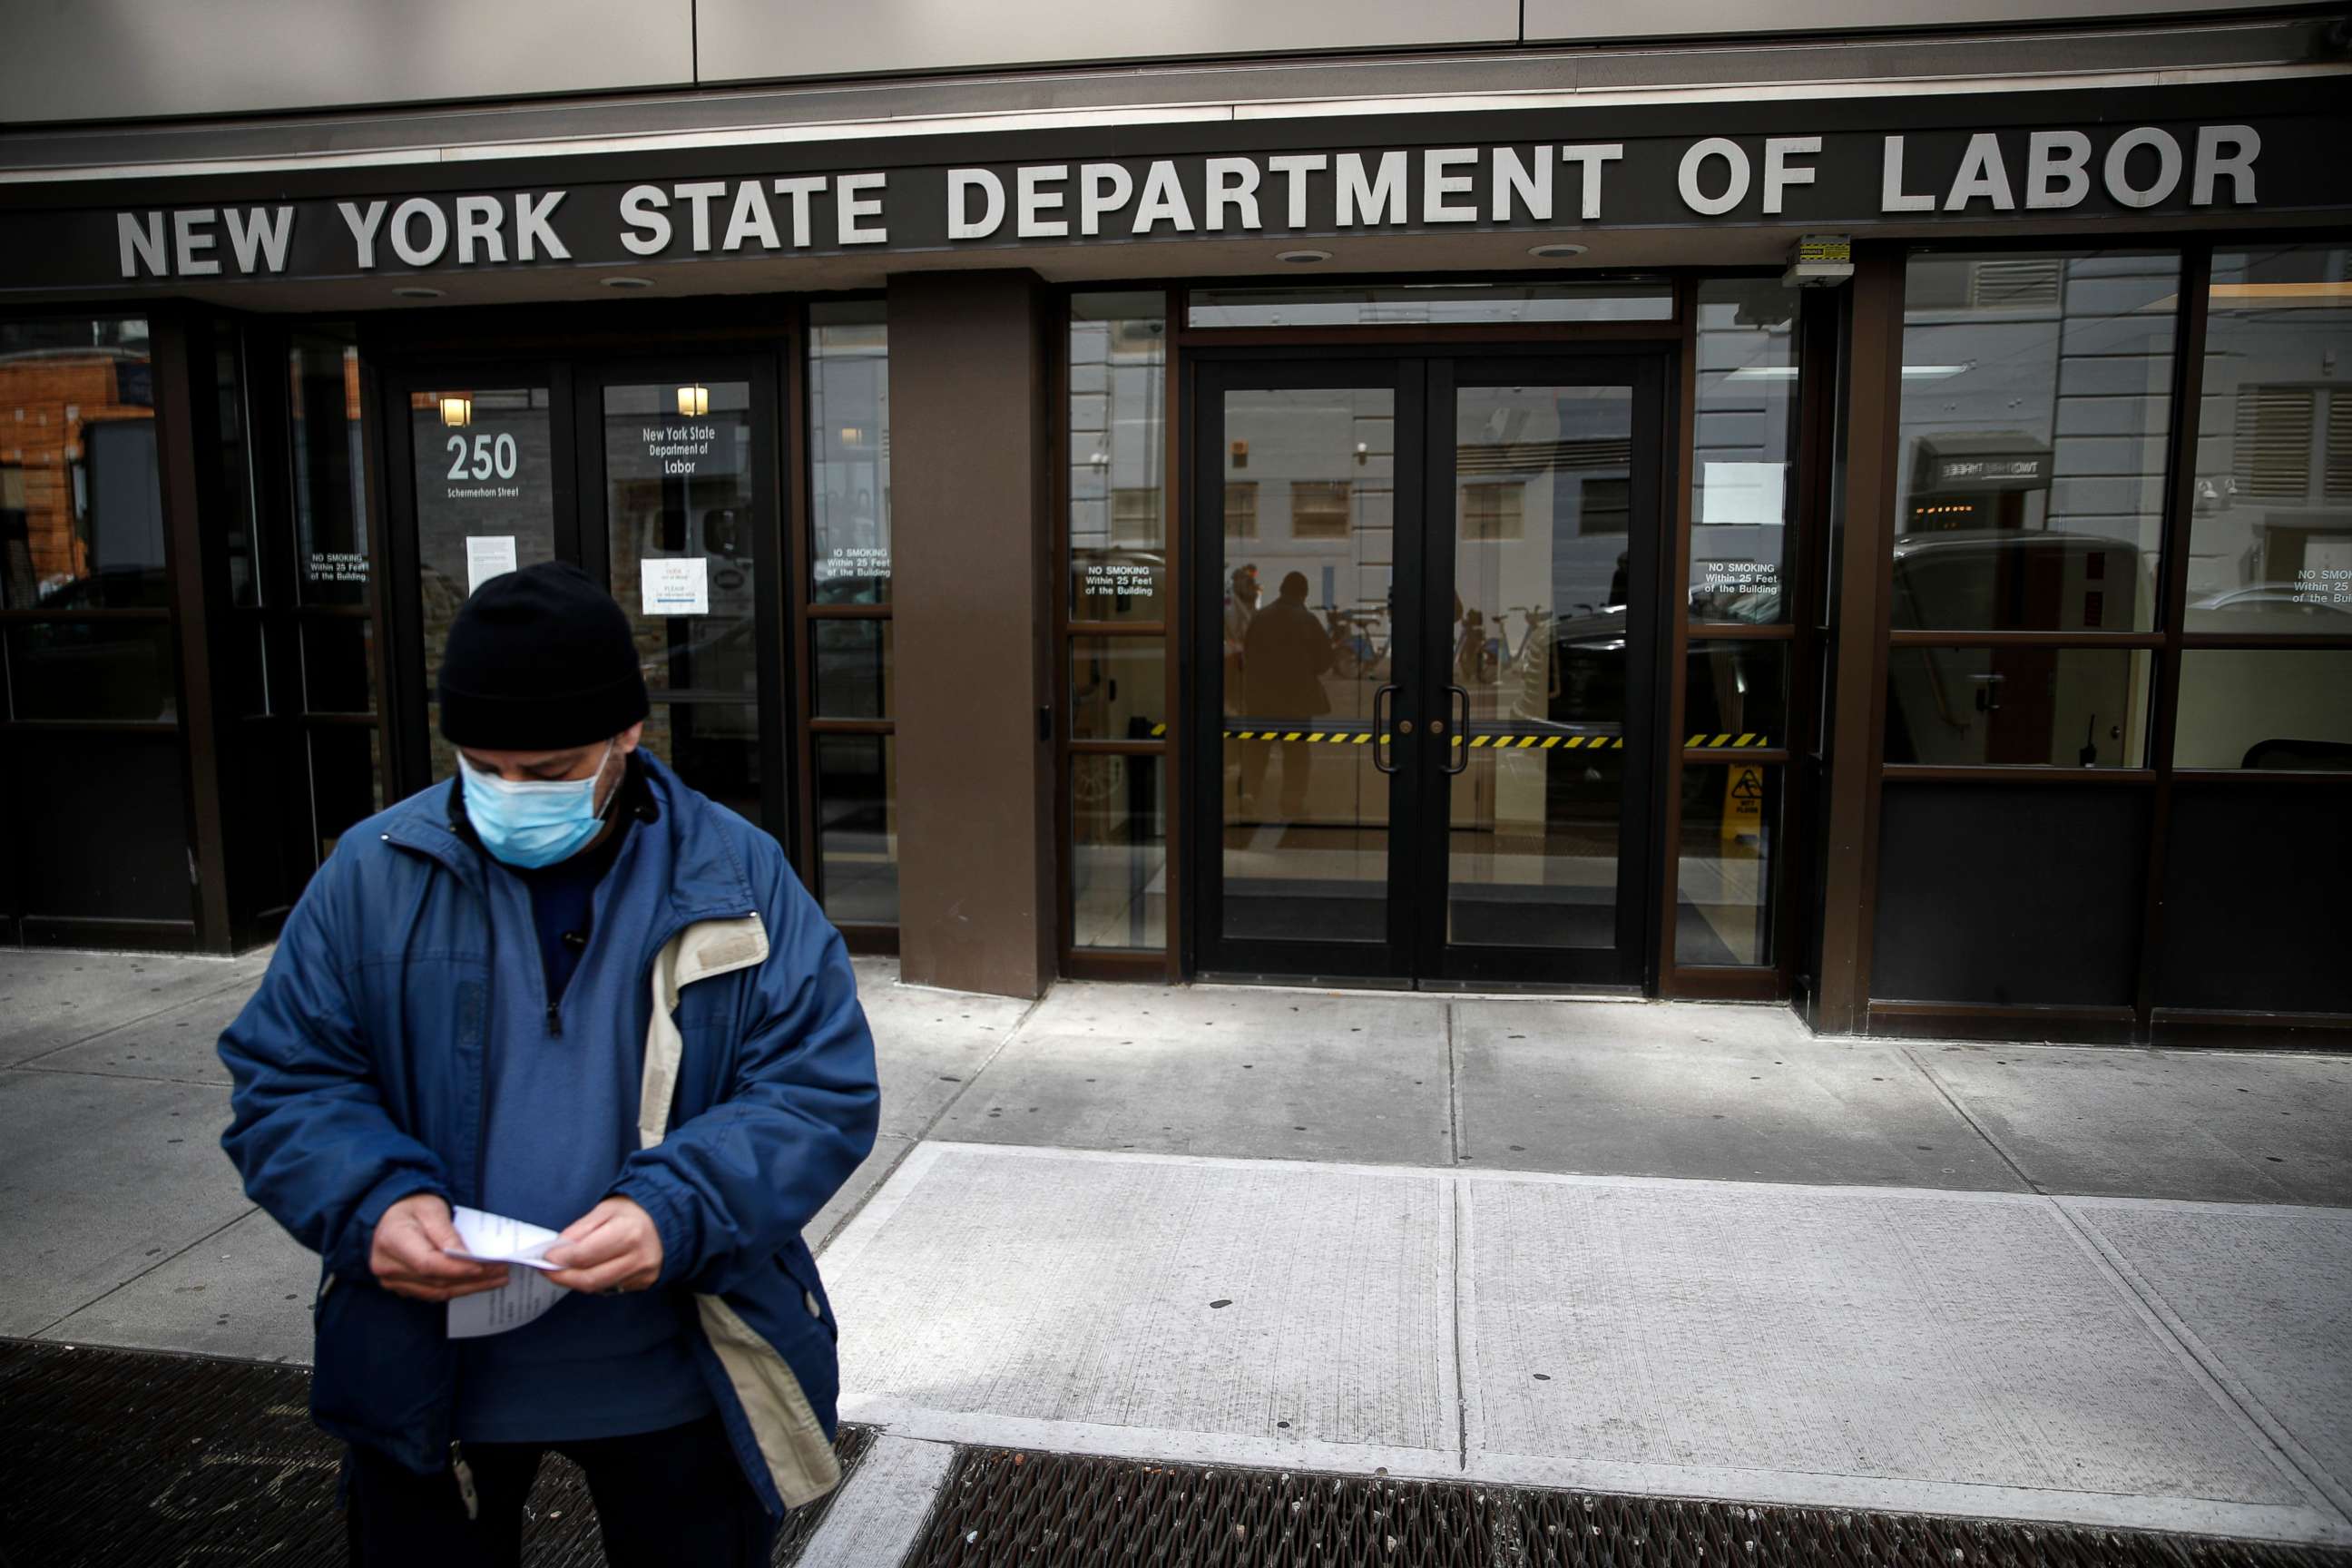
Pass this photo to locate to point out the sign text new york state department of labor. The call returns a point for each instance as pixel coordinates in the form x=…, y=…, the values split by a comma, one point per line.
x=1831, y=179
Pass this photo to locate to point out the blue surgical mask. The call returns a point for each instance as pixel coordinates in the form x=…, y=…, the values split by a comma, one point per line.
x=535, y=822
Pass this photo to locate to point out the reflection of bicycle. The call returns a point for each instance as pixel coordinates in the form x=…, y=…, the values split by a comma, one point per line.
x=1474, y=653
x=1355, y=652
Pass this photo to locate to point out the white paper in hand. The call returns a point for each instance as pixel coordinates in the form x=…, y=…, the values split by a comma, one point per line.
x=527, y=1292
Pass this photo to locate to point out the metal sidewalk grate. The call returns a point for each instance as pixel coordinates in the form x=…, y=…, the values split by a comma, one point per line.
x=1001, y=1508
x=112, y=1458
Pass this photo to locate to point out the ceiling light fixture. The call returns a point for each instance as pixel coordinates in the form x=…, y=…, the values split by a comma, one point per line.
x=1560, y=252
x=1302, y=257
x=694, y=402
x=418, y=291
x=628, y=282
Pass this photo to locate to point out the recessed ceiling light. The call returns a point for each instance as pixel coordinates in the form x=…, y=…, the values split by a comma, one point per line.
x=1302, y=257
x=418, y=291
x=628, y=282
x=1555, y=252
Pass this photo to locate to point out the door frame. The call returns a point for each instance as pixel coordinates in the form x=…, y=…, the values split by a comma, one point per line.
x=769, y=449
x=574, y=381
x=1424, y=372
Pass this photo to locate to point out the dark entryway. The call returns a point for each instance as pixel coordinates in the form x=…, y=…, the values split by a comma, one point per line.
x=1424, y=633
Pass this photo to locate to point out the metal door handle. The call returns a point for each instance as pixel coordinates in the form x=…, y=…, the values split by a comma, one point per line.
x=1457, y=756
x=1382, y=697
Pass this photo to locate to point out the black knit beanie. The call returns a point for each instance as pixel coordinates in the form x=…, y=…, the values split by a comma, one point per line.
x=538, y=661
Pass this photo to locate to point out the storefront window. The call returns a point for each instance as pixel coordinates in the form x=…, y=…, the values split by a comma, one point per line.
x=1746, y=445
x=847, y=613
x=82, y=508
x=1118, y=862
x=1730, y=815
x=2023, y=705
x=89, y=717
x=1115, y=765
x=330, y=473
x=1119, y=455
x=852, y=668
x=1743, y=556
x=2036, y=397
x=2273, y=708
x=2270, y=533
x=1119, y=688
x=849, y=453
x=858, y=828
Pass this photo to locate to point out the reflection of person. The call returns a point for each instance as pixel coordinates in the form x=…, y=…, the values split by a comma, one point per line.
x=1241, y=607
x=1284, y=658
x=1617, y=590
x=441, y=1026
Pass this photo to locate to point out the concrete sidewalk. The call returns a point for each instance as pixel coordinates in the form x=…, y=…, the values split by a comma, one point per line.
x=1617, y=1245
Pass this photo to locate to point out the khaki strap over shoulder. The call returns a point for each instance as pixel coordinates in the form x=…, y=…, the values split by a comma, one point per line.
x=706, y=949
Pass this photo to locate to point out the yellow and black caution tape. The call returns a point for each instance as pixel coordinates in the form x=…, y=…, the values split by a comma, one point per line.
x=1537, y=743
x=1507, y=742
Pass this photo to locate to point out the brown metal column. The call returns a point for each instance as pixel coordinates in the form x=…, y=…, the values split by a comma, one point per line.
x=1858, y=715
x=182, y=372
x=971, y=555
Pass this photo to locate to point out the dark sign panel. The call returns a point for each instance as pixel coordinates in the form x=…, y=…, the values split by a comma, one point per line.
x=1826, y=180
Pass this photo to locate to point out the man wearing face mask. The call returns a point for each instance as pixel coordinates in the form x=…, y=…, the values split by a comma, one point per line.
x=566, y=988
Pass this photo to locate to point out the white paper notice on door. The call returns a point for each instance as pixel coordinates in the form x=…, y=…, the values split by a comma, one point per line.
x=1744, y=492
x=679, y=586
x=488, y=555
x=527, y=1292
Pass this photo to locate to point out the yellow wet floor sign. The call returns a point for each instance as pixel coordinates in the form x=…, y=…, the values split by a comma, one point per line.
x=1743, y=805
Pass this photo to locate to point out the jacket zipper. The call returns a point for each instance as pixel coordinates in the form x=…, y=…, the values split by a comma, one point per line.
x=458, y=1468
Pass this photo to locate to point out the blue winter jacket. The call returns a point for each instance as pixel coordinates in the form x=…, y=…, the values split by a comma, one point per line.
x=361, y=1078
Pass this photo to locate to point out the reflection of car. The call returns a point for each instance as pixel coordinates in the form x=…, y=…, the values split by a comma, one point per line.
x=2234, y=608
x=1728, y=688
x=112, y=588
x=102, y=668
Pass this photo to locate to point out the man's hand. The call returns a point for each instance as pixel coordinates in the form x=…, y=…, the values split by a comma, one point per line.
x=407, y=1258
x=611, y=1247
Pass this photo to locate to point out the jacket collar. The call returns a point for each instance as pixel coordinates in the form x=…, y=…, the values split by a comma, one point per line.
x=700, y=876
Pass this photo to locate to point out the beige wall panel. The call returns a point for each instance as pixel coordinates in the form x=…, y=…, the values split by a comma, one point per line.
x=1553, y=21
x=745, y=39
x=110, y=59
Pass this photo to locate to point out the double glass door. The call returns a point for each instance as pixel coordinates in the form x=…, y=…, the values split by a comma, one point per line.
x=657, y=478
x=1425, y=595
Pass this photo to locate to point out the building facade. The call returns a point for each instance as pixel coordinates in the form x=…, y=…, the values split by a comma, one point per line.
x=1853, y=513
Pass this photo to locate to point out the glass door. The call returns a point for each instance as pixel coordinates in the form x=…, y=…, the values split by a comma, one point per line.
x=1426, y=627
x=679, y=481
x=1309, y=531
x=488, y=474
x=1544, y=501
x=658, y=477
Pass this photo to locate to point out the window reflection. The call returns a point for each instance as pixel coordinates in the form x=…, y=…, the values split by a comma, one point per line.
x=485, y=467
x=2265, y=708
x=1746, y=442
x=1730, y=815
x=2036, y=393
x=2271, y=535
x=1119, y=867
x=858, y=828
x=81, y=514
x=849, y=453
x=2018, y=705
x=330, y=540
x=1118, y=452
